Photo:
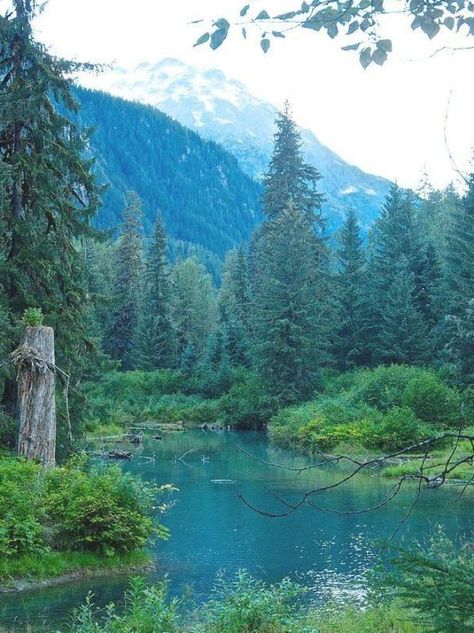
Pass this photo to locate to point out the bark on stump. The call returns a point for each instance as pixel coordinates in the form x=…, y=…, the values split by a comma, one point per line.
x=35, y=363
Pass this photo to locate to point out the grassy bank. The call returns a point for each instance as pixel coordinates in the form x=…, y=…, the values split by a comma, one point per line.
x=373, y=411
x=26, y=571
x=119, y=400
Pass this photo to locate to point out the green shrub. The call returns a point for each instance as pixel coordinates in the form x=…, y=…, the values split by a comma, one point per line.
x=383, y=387
x=386, y=408
x=101, y=510
x=246, y=405
x=247, y=605
x=32, y=317
x=432, y=401
x=21, y=510
x=146, y=610
x=399, y=429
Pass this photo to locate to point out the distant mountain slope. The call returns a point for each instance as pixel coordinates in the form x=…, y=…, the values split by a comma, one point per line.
x=205, y=198
x=223, y=110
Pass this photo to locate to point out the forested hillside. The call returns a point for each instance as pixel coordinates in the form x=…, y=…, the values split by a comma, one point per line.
x=199, y=189
x=224, y=110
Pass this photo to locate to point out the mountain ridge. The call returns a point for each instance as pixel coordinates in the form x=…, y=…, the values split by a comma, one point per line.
x=223, y=110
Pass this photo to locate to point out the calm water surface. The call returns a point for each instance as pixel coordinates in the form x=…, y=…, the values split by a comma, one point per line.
x=213, y=531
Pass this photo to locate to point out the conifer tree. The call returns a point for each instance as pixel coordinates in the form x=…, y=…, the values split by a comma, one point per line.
x=193, y=310
x=289, y=178
x=396, y=243
x=154, y=347
x=48, y=190
x=127, y=284
x=403, y=333
x=459, y=264
x=287, y=338
x=234, y=308
x=352, y=312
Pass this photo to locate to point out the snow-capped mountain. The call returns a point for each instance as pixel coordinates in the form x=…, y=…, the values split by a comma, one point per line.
x=223, y=110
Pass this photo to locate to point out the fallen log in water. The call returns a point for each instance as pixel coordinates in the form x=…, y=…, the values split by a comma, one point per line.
x=117, y=454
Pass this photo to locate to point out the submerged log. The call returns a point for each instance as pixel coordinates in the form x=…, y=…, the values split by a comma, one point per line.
x=116, y=454
x=35, y=364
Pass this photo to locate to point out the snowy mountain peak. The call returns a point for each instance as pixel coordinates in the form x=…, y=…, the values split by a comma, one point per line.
x=223, y=110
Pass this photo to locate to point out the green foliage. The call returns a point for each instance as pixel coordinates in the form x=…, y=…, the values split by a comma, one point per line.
x=99, y=510
x=241, y=605
x=45, y=564
x=32, y=317
x=438, y=582
x=357, y=23
x=432, y=401
x=246, y=405
x=122, y=398
x=48, y=192
x=193, y=307
x=387, y=408
x=21, y=513
x=128, y=265
x=245, y=605
x=146, y=610
x=73, y=508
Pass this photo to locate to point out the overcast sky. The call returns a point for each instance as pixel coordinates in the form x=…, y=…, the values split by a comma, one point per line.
x=390, y=121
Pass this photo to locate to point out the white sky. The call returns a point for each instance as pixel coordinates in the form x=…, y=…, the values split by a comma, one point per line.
x=389, y=121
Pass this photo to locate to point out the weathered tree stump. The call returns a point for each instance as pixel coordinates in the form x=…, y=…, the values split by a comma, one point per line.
x=35, y=363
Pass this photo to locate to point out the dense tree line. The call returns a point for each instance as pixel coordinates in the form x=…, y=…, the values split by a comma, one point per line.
x=292, y=302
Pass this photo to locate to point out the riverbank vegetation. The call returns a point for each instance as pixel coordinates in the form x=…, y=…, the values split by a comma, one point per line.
x=427, y=589
x=72, y=518
x=383, y=409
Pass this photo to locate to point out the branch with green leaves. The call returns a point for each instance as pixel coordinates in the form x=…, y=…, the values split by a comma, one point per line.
x=360, y=23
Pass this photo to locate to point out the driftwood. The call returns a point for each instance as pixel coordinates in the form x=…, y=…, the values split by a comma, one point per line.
x=117, y=454
x=35, y=365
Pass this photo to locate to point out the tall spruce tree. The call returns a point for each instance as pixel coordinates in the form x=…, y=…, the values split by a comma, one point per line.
x=459, y=264
x=351, y=345
x=234, y=304
x=287, y=338
x=396, y=243
x=154, y=346
x=48, y=192
x=289, y=178
x=402, y=330
x=119, y=342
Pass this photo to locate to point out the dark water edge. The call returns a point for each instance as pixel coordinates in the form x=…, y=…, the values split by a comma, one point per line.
x=213, y=532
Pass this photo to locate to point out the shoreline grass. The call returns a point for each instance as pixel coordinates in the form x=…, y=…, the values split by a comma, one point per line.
x=20, y=572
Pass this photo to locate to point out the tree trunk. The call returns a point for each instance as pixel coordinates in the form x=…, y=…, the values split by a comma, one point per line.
x=36, y=395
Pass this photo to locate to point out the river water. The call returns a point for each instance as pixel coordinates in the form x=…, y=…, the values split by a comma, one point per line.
x=212, y=531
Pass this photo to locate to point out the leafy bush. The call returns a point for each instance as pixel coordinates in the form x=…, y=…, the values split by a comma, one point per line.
x=73, y=508
x=146, y=610
x=399, y=428
x=121, y=398
x=32, y=317
x=243, y=605
x=21, y=511
x=98, y=510
x=386, y=408
x=246, y=605
x=246, y=405
x=432, y=401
